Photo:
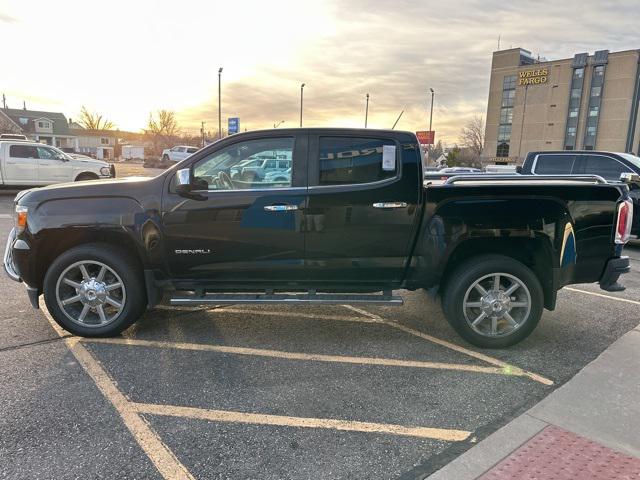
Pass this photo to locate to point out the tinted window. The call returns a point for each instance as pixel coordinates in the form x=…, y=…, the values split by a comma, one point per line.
x=554, y=164
x=228, y=169
x=192, y=150
x=23, y=151
x=347, y=160
x=607, y=168
x=47, y=153
x=270, y=164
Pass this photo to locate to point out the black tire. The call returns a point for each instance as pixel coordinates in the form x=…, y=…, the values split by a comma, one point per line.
x=120, y=262
x=165, y=159
x=461, y=283
x=86, y=176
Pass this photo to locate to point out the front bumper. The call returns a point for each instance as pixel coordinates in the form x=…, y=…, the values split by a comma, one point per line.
x=614, y=268
x=11, y=269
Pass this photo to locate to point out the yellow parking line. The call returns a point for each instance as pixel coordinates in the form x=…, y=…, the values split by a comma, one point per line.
x=448, y=435
x=159, y=454
x=261, y=352
x=610, y=297
x=506, y=367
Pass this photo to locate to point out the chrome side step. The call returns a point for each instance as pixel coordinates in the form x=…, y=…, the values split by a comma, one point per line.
x=385, y=298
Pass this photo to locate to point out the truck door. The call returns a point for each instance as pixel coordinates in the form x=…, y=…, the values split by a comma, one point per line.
x=53, y=167
x=21, y=165
x=362, y=216
x=245, y=231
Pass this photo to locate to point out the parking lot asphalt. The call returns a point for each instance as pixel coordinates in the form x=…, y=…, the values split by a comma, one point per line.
x=276, y=392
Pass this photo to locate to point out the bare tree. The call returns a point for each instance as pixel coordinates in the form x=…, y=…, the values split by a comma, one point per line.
x=94, y=121
x=162, y=128
x=472, y=135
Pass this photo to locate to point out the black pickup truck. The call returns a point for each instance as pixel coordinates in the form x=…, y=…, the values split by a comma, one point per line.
x=350, y=222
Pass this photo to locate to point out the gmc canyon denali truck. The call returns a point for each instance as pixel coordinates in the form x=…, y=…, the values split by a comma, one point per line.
x=353, y=222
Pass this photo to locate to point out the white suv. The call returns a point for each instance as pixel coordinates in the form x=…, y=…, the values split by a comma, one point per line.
x=178, y=153
x=32, y=163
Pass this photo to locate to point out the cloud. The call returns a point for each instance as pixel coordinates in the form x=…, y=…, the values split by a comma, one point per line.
x=5, y=18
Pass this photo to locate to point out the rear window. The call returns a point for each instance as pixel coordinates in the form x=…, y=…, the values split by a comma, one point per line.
x=348, y=160
x=23, y=151
x=554, y=164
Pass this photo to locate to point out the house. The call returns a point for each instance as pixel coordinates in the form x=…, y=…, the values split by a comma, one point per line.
x=99, y=144
x=51, y=128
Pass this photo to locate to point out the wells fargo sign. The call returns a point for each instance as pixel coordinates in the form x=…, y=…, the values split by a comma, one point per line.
x=533, y=77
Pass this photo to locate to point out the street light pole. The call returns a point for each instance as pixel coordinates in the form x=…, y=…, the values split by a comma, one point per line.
x=219, y=104
x=276, y=125
x=366, y=112
x=301, y=100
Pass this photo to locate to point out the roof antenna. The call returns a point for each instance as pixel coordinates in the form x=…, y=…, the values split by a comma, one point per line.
x=397, y=120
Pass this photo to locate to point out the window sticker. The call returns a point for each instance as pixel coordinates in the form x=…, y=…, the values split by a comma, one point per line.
x=388, y=158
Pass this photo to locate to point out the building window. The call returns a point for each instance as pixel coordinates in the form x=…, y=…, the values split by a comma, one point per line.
x=509, y=82
x=595, y=103
x=508, y=97
x=506, y=115
x=573, y=114
x=23, y=121
x=578, y=73
x=44, y=125
x=104, y=141
x=598, y=71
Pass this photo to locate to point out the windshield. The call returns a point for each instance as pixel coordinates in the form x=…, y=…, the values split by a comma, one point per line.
x=631, y=158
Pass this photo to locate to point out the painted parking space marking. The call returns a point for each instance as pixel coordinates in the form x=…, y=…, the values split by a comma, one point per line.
x=260, y=352
x=513, y=370
x=449, y=435
x=160, y=455
x=602, y=295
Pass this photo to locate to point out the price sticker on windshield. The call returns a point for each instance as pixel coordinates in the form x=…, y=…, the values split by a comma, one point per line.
x=388, y=158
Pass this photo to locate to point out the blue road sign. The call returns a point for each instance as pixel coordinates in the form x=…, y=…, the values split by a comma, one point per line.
x=234, y=125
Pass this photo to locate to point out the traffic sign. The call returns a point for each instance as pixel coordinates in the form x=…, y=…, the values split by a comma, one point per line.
x=234, y=125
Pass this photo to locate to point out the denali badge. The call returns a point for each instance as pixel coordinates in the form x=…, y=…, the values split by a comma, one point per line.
x=198, y=251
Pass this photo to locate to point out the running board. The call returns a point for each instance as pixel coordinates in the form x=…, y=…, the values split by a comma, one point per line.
x=386, y=298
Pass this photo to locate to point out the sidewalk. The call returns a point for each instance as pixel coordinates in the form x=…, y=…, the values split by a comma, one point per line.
x=587, y=429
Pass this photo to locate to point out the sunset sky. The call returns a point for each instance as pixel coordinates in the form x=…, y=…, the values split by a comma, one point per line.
x=125, y=59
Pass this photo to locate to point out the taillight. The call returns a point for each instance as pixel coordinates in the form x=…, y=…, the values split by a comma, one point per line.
x=623, y=226
x=21, y=218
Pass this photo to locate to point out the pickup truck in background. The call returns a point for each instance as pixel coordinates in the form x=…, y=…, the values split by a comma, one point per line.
x=352, y=223
x=177, y=153
x=31, y=163
x=611, y=166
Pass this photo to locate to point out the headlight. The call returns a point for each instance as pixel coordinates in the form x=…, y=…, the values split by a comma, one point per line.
x=105, y=171
x=21, y=218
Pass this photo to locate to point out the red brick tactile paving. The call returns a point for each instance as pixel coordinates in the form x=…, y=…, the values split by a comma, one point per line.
x=555, y=454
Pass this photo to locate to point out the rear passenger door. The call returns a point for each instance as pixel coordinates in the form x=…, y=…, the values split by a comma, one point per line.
x=360, y=218
x=21, y=165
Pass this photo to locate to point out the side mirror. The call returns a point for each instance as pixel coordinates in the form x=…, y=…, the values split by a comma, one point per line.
x=628, y=177
x=519, y=169
x=183, y=181
x=184, y=185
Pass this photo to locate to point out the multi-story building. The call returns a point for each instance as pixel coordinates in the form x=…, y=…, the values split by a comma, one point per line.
x=588, y=102
x=51, y=128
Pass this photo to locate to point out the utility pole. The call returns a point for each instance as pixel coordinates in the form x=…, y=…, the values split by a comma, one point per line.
x=4, y=101
x=219, y=104
x=301, y=100
x=202, y=133
x=431, y=114
x=366, y=112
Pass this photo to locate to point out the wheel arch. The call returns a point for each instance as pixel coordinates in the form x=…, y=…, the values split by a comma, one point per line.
x=535, y=253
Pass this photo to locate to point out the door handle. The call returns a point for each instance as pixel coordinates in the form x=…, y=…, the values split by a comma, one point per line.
x=390, y=205
x=280, y=208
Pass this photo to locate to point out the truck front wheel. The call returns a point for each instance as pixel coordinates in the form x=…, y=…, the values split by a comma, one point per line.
x=493, y=301
x=94, y=290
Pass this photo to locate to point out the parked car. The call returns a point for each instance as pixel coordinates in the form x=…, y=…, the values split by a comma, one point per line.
x=278, y=176
x=354, y=223
x=255, y=169
x=608, y=165
x=178, y=153
x=32, y=163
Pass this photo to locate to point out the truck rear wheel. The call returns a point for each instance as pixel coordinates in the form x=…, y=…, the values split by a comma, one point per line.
x=493, y=301
x=94, y=290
